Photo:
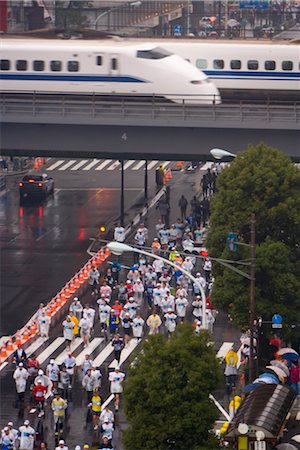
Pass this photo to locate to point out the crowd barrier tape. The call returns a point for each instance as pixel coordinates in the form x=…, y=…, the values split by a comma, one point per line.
x=29, y=331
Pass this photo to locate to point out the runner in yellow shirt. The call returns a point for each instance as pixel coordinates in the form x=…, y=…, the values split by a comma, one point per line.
x=95, y=406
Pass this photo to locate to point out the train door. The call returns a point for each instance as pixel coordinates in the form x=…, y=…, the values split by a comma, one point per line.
x=101, y=63
x=114, y=68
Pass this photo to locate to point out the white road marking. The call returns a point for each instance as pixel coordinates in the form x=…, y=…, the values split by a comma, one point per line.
x=107, y=401
x=67, y=165
x=114, y=165
x=80, y=164
x=88, y=350
x=128, y=164
x=165, y=164
x=125, y=353
x=104, y=164
x=152, y=164
x=3, y=365
x=139, y=165
x=224, y=349
x=206, y=166
x=103, y=355
x=239, y=353
x=76, y=343
x=91, y=164
x=3, y=339
x=56, y=164
x=34, y=346
x=49, y=350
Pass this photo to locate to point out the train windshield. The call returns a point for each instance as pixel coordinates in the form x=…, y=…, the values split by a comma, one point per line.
x=155, y=53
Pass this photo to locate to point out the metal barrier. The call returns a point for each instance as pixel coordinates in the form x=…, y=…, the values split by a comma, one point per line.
x=101, y=107
x=2, y=182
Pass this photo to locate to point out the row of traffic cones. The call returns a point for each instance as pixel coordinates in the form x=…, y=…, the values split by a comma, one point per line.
x=38, y=162
x=54, y=305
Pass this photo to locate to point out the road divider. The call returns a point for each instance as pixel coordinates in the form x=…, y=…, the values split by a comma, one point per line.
x=55, y=309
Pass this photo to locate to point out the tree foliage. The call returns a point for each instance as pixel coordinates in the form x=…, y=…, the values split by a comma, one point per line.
x=166, y=393
x=264, y=181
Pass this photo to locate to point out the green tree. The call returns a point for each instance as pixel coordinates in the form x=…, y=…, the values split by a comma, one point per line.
x=264, y=181
x=71, y=17
x=166, y=393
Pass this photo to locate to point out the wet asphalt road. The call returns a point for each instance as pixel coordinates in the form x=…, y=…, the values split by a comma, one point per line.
x=44, y=242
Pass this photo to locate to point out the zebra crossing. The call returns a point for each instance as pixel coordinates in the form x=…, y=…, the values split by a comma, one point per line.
x=101, y=164
x=100, y=351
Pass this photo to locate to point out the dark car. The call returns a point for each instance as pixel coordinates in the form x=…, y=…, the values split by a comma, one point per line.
x=36, y=185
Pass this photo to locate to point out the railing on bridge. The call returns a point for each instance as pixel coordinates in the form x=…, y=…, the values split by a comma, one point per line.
x=98, y=107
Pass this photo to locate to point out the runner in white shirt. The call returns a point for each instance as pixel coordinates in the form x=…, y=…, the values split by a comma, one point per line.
x=27, y=436
x=164, y=235
x=181, y=304
x=90, y=313
x=44, y=325
x=167, y=304
x=170, y=321
x=104, y=312
x=157, y=296
x=76, y=308
x=159, y=226
x=158, y=265
x=68, y=326
x=137, y=326
x=20, y=376
x=108, y=415
x=181, y=291
x=144, y=230
x=106, y=290
x=116, y=378
x=131, y=306
x=85, y=330
x=187, y=264
x=52, y=372
x=119, y=233
x=138, y=289
x=139, y=239
x=197, y=305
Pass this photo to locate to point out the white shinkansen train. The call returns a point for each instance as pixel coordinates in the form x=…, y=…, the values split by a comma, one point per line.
x=101, y=67
x=245, y=69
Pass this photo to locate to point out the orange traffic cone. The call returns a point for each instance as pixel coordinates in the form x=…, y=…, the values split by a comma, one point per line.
x=76, y=282
x=18, y=340
x=3, y=353
x=107, y=252
x=85, y=274
x=179, y=164
x=170, y=174
x=25, y=334
x=9, y=346
x=81, y=277
x=72, y=288
x=67, y=292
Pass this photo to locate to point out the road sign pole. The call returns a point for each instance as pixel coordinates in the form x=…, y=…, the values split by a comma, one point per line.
x=252, y=300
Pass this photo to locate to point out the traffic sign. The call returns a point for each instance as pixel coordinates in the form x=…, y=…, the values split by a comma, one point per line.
x=177, y=30
x=277, y=321
x=232, y=242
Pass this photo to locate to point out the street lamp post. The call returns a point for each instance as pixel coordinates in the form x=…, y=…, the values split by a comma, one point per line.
x=118, y=248
x=218, y=153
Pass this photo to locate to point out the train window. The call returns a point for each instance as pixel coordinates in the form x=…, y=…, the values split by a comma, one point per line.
x=73, y=66
x=114, y=64
x=99, y=60
x=218, y=63
x=38, y=65
x=270, y=65
x=4, y=64
x=155, y=53
x=235, y=64
x=55, y=66
x=287, y=65
x=252, y=64
x=201, y=63
x=21, y=64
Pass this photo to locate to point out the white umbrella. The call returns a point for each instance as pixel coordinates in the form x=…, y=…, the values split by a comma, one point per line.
x=282, y=351
x=281, y=366
x=296, y=438
x=279, y=372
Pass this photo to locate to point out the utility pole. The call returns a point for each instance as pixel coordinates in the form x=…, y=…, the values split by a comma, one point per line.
x=252, y=300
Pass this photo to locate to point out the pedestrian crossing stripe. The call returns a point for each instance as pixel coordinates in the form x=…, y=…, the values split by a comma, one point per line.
x=74, y=345
x=50, y=349
x=224, y=349
x=99, y=164
x=103, y=355
x=88, y=350
x=126, y=352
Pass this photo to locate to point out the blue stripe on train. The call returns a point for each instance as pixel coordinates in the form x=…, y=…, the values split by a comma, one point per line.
x=240, y=75
x=50, y=77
